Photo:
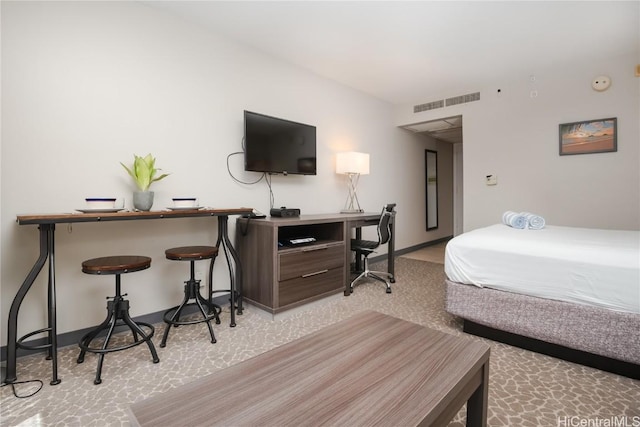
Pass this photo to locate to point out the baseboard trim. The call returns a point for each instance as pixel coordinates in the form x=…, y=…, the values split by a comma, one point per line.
x=399, y=252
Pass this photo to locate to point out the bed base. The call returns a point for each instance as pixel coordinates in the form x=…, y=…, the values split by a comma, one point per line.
x=597, y=361
x=592, y=336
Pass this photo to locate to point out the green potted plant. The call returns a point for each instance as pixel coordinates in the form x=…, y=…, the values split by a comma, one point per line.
x=143, y=172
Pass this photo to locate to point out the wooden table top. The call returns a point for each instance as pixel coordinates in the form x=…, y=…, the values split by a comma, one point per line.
x=126, y=215
x=371, y=369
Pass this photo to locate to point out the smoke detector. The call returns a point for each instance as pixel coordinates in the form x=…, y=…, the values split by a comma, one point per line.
x=601, y=83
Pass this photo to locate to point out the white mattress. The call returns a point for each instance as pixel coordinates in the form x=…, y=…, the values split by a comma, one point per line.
x=580, y=265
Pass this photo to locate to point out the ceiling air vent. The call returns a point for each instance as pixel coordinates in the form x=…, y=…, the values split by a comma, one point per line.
x=462, y=99
x=428, y=106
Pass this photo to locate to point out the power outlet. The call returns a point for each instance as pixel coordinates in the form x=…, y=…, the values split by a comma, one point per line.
x=201, y=270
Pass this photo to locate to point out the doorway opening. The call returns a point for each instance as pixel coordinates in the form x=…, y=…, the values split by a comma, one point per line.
x=448, y=130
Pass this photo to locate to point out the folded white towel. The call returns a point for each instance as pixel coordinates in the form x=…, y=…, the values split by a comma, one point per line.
x=514, y=219
x=534, y=222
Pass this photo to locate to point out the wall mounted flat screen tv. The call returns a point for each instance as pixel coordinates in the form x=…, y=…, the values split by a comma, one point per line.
x=275, y=145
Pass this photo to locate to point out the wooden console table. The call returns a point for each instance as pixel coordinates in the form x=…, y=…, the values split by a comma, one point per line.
x=279, y=278
x=371, y=369
x=46, y=224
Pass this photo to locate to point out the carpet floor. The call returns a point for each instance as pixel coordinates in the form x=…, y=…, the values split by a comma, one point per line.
x=526, y=388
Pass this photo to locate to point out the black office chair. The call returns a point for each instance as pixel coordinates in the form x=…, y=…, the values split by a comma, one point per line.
x=367, y=247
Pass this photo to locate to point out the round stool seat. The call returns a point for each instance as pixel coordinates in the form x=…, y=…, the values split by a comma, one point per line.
x=191, y=253
x=118, y=264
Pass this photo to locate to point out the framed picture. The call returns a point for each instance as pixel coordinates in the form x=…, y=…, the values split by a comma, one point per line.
x=589, y=136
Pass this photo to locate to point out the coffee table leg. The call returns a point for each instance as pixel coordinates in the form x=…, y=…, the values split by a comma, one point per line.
x=477, y=403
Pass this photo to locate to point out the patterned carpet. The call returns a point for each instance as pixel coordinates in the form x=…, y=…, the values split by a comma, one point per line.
x=526, y=389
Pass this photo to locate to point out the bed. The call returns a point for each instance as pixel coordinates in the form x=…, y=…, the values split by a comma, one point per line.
x=568, y=292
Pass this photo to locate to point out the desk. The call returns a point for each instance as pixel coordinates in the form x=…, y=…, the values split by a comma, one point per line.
x=369, y=370
x=280, y=278
x=46, y=224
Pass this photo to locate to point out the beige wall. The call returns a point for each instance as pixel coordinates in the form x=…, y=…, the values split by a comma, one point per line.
x=515, y=137
x=85, y=85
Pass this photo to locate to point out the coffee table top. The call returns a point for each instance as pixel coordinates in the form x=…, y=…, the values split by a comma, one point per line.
x=369, y=369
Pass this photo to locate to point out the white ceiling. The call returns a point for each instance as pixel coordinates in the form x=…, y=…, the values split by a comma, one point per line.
x=410, y=52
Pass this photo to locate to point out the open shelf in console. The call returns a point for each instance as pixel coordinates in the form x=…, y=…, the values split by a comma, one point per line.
x=323, y=234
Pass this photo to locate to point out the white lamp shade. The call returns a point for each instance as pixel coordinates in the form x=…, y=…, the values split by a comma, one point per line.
x=352, y=162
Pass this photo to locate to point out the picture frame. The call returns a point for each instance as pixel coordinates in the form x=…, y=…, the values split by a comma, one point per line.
x=589, y=136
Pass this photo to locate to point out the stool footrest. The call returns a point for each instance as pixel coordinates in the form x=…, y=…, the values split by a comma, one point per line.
x=20, y=344
x=168, y=315
x=95, y=350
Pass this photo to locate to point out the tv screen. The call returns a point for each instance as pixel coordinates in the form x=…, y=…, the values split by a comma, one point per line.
x=278, y=146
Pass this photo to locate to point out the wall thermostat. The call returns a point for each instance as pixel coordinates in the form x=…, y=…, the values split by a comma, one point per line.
x=601, y=83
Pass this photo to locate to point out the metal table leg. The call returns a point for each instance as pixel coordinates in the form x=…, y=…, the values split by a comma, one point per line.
x=391, y=251
x=235, y=268
x=47, y=251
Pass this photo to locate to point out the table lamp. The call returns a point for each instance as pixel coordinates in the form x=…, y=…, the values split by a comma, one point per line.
x=353, y=165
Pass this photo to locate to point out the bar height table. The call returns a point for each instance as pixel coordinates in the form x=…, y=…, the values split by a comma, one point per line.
x=47, y=223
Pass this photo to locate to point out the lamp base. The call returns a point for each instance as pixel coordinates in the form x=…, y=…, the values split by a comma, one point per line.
x=352, y=206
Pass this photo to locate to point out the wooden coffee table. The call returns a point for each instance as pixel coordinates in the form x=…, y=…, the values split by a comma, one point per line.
x=371, y=369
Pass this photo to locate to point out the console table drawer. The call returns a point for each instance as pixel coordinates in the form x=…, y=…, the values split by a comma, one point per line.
x=309, y=260
x=316, y=283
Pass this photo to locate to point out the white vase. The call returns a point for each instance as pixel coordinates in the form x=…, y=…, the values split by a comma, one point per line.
x=143, y=200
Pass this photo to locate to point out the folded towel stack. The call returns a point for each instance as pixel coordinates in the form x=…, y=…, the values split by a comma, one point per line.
x=514, y=219
x=523, y=220
x=534, y=222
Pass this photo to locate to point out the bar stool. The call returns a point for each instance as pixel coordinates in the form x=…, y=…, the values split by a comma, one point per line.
x=117, y=309
x=192, y=290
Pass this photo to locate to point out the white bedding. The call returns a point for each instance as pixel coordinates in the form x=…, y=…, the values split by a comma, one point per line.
x=579, y=265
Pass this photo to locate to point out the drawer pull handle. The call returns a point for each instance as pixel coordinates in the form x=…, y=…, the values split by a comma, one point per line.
x=314, y=273
x=314, y=248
